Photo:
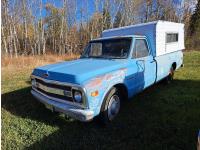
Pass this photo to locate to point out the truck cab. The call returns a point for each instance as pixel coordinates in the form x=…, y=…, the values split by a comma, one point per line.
x=111, y=70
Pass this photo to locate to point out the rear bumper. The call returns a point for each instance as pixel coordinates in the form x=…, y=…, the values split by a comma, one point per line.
x=72, y=111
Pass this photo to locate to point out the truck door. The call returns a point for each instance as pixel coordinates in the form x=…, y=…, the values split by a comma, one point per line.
x=145, y=63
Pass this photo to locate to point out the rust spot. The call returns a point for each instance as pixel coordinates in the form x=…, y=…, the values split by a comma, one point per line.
x=109, y=76
x=94, y=83
x=123, y=69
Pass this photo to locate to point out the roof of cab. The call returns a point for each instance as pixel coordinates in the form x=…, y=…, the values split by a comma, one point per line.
x=117, y=37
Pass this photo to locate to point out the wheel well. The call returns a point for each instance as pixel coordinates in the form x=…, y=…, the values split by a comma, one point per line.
x=174, y=65
x=123, y=90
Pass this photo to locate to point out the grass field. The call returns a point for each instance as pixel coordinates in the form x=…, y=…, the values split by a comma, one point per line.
x=160, y=118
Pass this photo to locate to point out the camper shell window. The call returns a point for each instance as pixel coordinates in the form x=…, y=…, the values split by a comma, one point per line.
x=171, y=37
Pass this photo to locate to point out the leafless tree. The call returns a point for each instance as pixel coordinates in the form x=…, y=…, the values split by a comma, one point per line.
x=34, y=27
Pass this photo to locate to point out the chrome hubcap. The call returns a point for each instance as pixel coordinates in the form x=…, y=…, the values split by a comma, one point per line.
x=113, y=106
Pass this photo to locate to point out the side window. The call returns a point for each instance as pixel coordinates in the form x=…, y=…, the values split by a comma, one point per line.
x=140, y=48
x=96, y=49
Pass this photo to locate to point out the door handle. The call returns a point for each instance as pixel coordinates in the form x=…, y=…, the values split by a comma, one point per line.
x=152, y=61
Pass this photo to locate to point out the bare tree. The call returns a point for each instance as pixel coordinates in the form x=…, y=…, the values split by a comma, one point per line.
x=66, y=29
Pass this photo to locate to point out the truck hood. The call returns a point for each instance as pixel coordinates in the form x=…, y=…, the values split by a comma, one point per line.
x=78, y=71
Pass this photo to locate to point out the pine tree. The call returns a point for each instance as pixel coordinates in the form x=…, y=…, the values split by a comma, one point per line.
x=193, y=39
x=195, y=21
x=106, y=19
x=117, y=20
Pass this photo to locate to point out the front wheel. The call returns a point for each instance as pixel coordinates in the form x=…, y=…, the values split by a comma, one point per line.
x=111, y=106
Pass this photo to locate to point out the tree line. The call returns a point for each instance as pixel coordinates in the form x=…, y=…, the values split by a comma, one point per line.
x=32, y=27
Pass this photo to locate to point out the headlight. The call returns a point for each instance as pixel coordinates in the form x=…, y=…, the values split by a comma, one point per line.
x=78, y=96
x=33, y=82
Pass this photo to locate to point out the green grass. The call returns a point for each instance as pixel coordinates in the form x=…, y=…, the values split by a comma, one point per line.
x=161, y=117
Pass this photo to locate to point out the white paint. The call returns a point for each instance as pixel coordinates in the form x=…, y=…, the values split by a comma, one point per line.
x=164, y=27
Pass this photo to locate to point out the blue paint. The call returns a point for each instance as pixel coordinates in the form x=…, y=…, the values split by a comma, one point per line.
x=78, y=71
x=94, y=74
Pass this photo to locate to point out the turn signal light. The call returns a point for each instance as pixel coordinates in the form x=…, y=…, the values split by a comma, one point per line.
x=95, y=93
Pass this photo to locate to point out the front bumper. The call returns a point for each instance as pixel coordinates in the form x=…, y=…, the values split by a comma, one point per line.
x=72, y=111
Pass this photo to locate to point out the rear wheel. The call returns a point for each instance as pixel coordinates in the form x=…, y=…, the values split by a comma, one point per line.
x=170, y=77
x=111, y=106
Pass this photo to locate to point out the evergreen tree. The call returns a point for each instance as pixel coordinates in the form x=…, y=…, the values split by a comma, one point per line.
x=106, y=19
x=195, y=21
x=118, y=22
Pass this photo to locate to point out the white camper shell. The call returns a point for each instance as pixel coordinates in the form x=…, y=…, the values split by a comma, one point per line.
x=163, y=36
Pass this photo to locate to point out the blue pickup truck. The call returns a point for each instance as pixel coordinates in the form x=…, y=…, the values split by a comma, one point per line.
x=112, y=68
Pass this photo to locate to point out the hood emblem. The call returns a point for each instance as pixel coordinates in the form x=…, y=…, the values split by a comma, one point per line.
x=45, y=75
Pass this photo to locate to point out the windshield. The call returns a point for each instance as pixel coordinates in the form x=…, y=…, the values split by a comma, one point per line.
x=109, y=48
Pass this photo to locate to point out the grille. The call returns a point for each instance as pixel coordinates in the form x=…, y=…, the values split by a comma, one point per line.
x=54, y=90
x=68, y=88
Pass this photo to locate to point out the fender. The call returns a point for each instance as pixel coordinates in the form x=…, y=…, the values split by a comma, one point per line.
x=103, y=84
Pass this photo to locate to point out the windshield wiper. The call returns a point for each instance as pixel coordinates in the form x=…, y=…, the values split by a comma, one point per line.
x=103, y=57
x=94, y=57
x=118, y=57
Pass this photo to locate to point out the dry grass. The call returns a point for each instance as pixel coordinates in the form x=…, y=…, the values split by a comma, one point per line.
x=29, y=62
x=21, y=67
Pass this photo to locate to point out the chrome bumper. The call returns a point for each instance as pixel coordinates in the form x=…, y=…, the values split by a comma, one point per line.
x=72, y=111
